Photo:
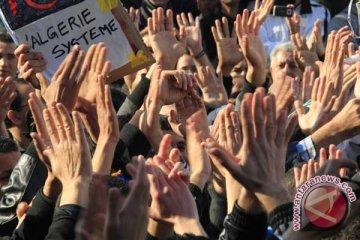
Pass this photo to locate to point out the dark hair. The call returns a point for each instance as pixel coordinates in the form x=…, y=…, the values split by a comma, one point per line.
x=5, y=38
x=8, y=145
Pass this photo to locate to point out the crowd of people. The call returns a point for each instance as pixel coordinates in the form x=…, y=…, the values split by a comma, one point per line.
x=210, y=142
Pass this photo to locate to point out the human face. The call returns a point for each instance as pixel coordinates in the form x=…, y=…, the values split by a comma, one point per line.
x=24, y=90
x=7, y=164
x=186, y=64
x=284, y=61
x=8, y=61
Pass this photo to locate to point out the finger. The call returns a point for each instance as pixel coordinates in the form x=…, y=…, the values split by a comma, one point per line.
x=165, y=146
x=322, y=157
x=58, y=121
x=69, y=64
x=311, y=169
x=79, y=128
x=184, y=19
x=169, y=24
x=66, y=120
x=215, y=34
x=297, y=176
x=78, y=65
x=304, y=173
x=101, y=59
x=51, y=127
x=191, y=19
x=219, y=29
x=225, y=26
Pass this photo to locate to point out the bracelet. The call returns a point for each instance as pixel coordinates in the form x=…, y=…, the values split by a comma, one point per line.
x=199, y=55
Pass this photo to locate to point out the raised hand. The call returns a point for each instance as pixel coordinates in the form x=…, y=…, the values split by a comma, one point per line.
x=229, y=130
x=7, y=96
x=65, y=84
x=303, y=55
x=315, y=42
x=64, y=145
x=173, y=203
x=127, y=216
x=247, y=30
x=95, y=63
x=332, y=68
x=263, y=150
x=162, y=36
x=197, y=130
x=109, y=133
x=183, y=110
x=171, y=86
x=283, y=91
x=309, y=169
x=322, y=101
x=193, y=32
x=227, y=48
x=262, y=10
x=167, y=159
x=29, y=64
x=212, y=87
x=135, y=17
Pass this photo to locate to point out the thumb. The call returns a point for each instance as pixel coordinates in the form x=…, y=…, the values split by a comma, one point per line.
x=22, y=209
x=44, y=83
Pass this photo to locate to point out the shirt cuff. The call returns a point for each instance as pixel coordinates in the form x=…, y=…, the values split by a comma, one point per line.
x=306, y=149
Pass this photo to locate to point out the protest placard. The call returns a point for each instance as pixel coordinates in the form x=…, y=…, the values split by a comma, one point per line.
x=53, y=27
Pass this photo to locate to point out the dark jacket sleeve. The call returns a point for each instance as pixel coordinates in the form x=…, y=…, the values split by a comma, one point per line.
x=64, y=221
x=132, y=143
x=25, y=181
x=242, y=225
x=134, y=101
x=37, y=220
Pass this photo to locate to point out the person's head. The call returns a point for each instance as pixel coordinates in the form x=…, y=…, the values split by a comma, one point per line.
x=187, y=64
x=282, y=59
x=9, y=155
x=19, y=108
x=207, y=7
x=8, y=60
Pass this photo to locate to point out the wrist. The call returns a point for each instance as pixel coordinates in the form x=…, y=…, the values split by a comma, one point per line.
x=75, y=192
x=186, y=225
x=225, y=69
x=52, y=188
x=275, y=198
x=195, y=50
x=199, y=179
x=159, y=229
x=256, y=75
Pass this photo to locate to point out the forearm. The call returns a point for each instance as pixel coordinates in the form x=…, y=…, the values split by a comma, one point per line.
x=275, y=198
x=103, y=157
x=189, y=226
x=150, y=123
x=76, y=192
